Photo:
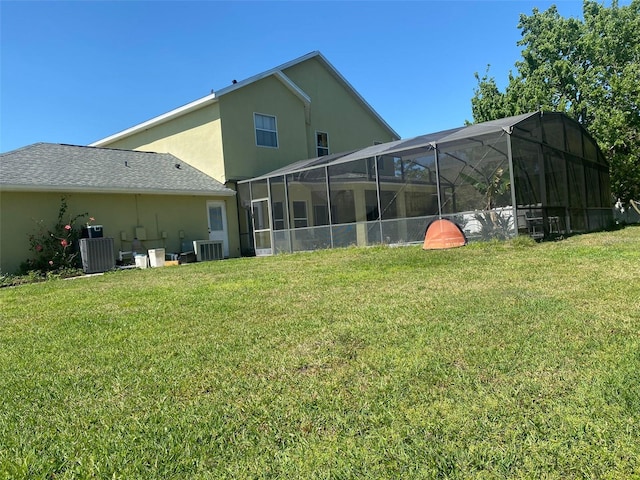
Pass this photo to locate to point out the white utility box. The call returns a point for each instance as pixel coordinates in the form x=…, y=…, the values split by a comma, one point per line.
x=156, y=257
x=142, y=261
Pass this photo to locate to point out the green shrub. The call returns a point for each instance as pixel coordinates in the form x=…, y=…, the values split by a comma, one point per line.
x=56, y=248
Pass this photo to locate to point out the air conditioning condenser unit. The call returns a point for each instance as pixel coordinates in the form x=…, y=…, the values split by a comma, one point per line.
x=208, y=250
x=97, y=255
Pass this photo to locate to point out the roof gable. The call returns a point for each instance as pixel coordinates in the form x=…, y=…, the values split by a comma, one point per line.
x=277, y=72
x=72, y=168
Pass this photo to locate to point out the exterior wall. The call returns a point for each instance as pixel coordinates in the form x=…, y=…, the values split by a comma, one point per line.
x=116, y=213
x=336, y=111
x=219, y=139
x=194, y=137
x=242, y=157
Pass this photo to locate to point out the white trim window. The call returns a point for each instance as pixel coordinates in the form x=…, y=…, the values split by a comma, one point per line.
x=266, y=130
x=322, y=143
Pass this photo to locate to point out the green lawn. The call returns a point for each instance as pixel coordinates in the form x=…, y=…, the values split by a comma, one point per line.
x=494, y=360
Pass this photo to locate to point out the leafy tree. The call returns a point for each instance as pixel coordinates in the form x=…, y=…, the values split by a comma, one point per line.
x=589, y=69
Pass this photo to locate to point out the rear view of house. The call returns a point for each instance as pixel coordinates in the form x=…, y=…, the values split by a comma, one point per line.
x=302, y=109
x=185, y=189
x=314, y=166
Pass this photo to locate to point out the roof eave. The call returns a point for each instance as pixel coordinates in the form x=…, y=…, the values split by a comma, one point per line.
x=278, y=72
x=116, y=190
x=160, y=119
x=211, y=99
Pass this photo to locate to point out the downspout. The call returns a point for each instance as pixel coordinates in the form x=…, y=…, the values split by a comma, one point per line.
x=239, y=209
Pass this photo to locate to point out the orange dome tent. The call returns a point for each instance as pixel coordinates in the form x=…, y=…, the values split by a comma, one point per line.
x=443, y=233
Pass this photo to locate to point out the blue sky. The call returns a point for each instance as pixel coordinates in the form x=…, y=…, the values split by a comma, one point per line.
x=75, y=72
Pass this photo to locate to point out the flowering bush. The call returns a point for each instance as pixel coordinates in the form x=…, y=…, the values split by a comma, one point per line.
x=55, y=248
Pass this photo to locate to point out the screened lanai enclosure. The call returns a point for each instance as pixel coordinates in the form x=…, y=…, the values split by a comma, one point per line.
x=538, y=174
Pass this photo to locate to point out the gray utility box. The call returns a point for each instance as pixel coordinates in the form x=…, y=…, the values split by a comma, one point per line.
x=97, y=255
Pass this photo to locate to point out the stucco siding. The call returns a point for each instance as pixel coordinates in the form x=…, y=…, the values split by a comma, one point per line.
x=194, y=137
x=243, y=158
x=116, y=213
x=335, y=110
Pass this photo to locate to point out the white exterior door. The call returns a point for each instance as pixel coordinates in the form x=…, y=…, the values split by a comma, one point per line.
x=217, y=217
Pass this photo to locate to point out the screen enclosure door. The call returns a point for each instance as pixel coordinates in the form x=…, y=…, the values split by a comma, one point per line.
x=261, y=226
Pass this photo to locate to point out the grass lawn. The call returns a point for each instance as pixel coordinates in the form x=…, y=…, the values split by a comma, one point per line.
x=494, y=360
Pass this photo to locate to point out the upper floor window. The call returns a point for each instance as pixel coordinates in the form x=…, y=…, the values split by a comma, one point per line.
x=266, y=130
x=322, y=143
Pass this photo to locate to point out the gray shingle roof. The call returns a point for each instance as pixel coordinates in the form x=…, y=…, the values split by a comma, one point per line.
x=59, y=167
